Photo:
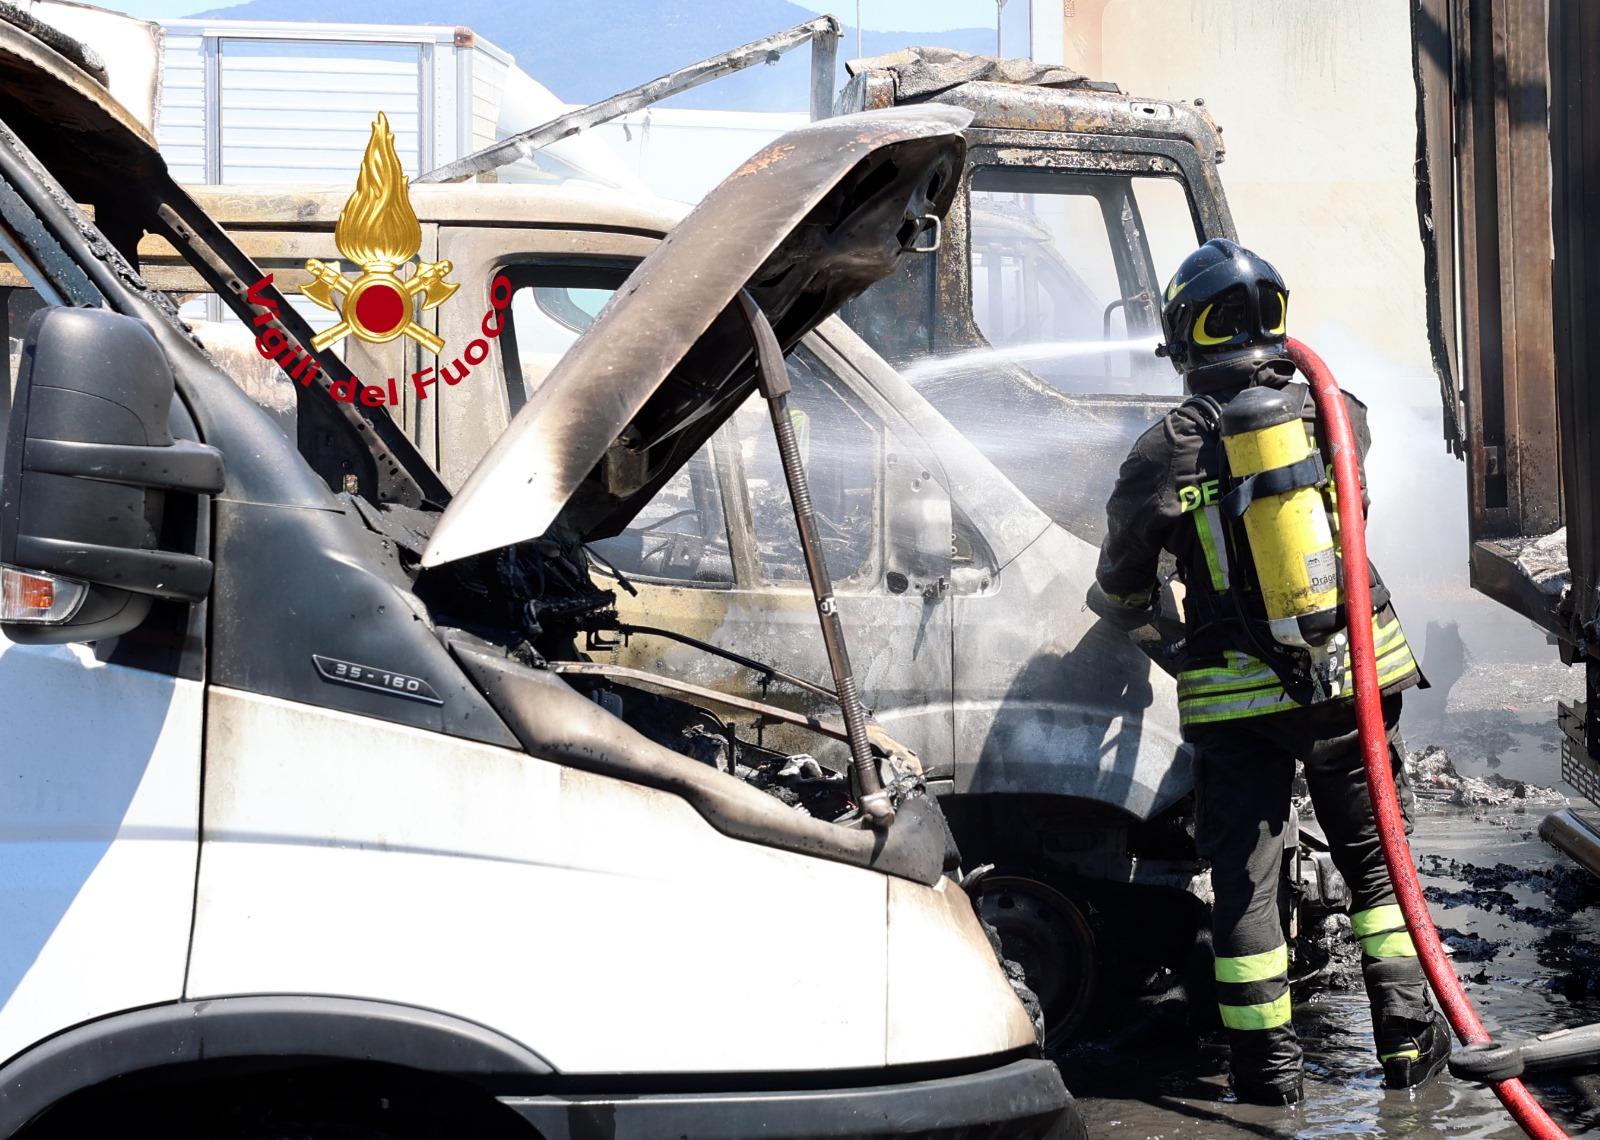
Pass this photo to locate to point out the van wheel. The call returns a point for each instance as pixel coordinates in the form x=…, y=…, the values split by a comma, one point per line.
x=1046, y=934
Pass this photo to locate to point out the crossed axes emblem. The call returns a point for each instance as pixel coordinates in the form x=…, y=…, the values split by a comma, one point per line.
x=377, y=305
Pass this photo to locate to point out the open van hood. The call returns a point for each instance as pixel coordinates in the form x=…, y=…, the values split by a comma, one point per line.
x=806, y=224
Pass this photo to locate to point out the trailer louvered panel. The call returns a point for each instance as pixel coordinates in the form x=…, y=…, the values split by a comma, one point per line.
x=250, y=101
x=181, y=112
x=302, y=111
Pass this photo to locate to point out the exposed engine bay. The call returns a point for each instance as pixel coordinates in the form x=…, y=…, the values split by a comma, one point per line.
x=538, y=600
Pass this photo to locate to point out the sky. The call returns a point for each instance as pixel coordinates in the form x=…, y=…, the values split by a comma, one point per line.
x=911, y=15
x=878, y=15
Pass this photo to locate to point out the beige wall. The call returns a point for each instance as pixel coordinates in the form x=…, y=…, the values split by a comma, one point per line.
x=1318, y=108
x=1318, y=112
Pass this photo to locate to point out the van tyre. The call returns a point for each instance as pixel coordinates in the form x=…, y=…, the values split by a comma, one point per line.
x=1044, y=936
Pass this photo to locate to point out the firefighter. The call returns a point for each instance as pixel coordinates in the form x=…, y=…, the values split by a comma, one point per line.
x=1233, y=484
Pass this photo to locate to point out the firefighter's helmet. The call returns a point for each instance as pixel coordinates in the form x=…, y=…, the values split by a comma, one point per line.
x=1225, y=311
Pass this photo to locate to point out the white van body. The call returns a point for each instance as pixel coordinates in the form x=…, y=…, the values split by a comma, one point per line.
x=289, y=835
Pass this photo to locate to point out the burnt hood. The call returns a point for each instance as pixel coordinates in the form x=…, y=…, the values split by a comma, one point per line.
x=806, y=224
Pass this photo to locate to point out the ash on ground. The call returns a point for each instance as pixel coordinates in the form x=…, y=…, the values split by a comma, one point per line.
x=1434, y=777
x=1326, y=953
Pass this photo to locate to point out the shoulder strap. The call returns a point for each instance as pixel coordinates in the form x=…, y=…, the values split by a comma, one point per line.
x=1210, y=411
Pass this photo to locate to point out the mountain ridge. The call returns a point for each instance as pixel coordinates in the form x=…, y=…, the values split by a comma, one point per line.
x=587, y=51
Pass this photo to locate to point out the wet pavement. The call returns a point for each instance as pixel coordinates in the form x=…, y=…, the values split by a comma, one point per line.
x=1524, y=924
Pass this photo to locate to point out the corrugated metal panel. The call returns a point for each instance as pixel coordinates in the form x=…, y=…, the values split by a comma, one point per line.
x=302, y=112
x=1574, y=47
x=488, y=85
x=181, y=118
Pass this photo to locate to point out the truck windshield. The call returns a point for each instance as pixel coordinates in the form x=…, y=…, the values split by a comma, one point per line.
x=1067, y=270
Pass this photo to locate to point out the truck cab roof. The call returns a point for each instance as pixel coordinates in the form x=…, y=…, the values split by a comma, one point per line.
x=1017, y=95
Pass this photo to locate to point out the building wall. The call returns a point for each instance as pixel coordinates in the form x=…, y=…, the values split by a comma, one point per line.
x=1317, y=103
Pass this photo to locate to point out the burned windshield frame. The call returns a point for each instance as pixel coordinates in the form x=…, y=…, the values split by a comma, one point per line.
x=1040, y=272
x=566, y=273
x=38, y=256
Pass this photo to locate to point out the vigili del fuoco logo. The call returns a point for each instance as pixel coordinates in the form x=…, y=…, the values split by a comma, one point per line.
x=377, y=230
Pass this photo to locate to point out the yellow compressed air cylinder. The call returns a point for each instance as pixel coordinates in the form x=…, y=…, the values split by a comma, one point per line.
x=1291, y=541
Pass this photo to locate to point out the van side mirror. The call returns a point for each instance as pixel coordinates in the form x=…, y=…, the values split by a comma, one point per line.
x=84, y=479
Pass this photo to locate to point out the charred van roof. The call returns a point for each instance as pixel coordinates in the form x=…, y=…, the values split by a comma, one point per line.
x=65, y=114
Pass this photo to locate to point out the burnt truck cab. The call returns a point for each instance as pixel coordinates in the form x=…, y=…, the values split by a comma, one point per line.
x=306, y=828
x=1031, y=331
x=1044, y=297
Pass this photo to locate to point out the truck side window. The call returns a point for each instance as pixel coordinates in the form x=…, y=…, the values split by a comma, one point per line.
x=1067, y=269
x=841, y=448
x=681, y=535
x=547, y=319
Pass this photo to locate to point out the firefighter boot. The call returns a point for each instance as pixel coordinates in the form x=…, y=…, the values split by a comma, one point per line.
x=1412, y=1052
x=1274, y=1094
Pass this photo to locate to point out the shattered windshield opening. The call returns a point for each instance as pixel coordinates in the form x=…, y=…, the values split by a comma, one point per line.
x=1066, y=270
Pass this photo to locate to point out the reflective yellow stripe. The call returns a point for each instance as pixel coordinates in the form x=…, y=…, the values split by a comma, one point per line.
x=1262, y=967
x=1410, y=1054
x=1251, y=697
x=1210, y=680
x=1244, y=704
x=1394, y=656
x=1219, y=716
x=1208, y=524
x=1395, y=945
x=1135, y=601
x=1378, y=920
x=1266, y=1015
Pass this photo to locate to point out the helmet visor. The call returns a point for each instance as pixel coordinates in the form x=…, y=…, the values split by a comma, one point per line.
x=1223, y=320
x=1274, y=308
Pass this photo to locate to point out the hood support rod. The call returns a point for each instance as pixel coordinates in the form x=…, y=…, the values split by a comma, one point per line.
x=773, y=379
x=822, y=34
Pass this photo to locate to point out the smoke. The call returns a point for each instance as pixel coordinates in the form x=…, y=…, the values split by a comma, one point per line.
x=1417, y=526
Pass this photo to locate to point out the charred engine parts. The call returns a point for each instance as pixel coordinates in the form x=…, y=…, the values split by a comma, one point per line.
x=773, y=380
x=538, y=593
x=606, y=622
x=797, y=780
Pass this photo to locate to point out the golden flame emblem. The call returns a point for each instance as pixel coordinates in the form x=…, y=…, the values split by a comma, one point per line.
x=378, y=230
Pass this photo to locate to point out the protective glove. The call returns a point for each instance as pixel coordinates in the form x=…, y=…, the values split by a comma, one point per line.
x=1126, y=613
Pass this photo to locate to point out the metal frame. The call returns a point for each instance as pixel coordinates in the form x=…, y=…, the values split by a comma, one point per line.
x=1495, y=311
x=1500, y=78
x=822, y=34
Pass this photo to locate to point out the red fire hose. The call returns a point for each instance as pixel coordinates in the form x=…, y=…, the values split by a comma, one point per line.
x=1375, y=742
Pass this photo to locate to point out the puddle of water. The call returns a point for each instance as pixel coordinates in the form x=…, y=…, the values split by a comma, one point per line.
x=1532, y=984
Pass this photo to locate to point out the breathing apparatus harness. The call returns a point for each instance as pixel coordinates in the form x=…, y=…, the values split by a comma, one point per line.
x=1286, y=595
x=1224, y=318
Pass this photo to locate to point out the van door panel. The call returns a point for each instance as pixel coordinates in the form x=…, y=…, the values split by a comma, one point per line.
x=99, y=834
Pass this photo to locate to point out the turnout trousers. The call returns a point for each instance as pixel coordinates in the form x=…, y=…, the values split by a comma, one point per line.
x=1244, y=770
